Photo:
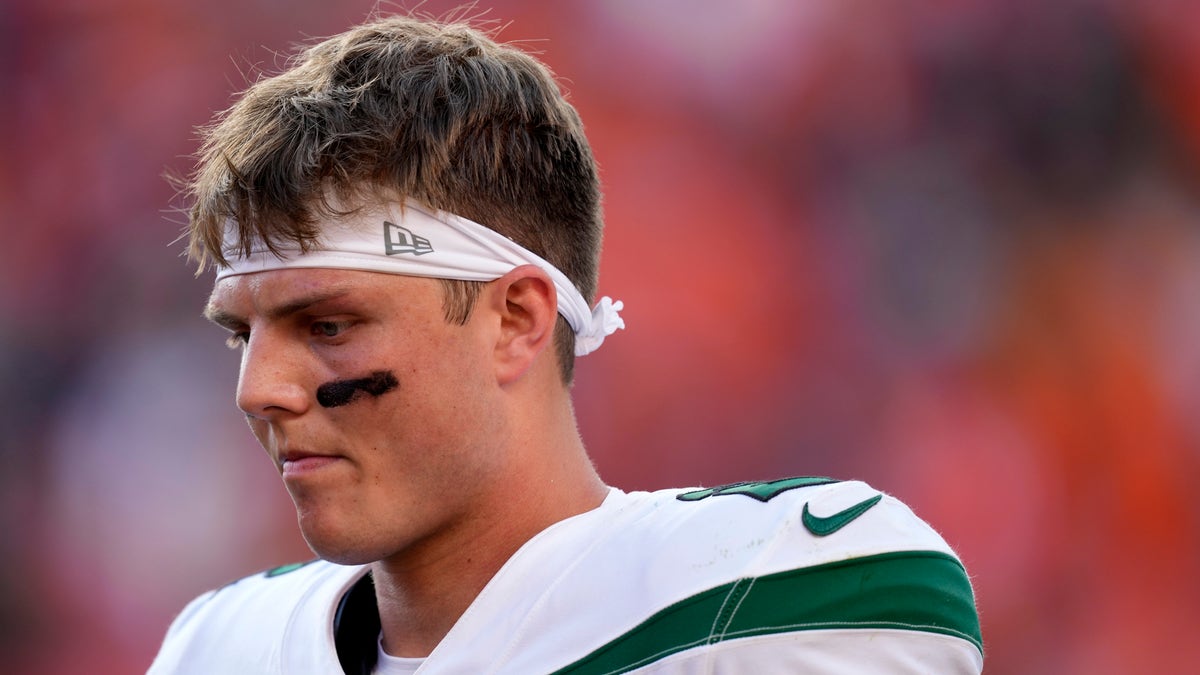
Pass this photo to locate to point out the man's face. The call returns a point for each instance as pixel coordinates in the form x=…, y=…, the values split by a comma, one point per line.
x=379, y=414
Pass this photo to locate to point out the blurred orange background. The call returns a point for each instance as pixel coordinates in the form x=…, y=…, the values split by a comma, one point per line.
x=950, y=248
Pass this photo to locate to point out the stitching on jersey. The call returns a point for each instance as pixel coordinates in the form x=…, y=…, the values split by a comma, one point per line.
x=721, y=621
x=725, y=629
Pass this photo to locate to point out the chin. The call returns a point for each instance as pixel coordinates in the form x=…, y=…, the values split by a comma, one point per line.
x=340, y=552
x=344, y=557
x=335, y=543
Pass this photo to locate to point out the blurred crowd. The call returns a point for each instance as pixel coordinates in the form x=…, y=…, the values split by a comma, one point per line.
x=951, y=248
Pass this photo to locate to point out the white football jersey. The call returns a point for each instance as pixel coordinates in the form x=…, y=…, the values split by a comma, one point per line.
x=800, y=575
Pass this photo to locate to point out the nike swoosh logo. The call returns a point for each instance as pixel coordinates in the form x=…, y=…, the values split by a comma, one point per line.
x=823, y=527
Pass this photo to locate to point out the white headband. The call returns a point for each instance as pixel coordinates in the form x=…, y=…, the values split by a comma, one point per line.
x=417, y=241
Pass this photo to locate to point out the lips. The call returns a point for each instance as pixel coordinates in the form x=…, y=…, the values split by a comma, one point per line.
x=297, y=463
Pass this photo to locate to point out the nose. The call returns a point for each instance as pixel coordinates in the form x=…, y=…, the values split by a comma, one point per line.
x=270, y=381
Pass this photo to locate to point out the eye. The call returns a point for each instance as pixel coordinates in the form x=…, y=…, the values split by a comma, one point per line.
x=328, y=329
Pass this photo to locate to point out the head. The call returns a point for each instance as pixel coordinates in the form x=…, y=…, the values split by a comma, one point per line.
x=400, y=109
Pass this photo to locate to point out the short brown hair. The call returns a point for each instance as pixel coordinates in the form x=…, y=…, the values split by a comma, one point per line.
x=408, y=108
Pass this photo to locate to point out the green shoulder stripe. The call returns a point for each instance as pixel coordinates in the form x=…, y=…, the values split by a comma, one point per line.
x=763, y=491
x=923, y=591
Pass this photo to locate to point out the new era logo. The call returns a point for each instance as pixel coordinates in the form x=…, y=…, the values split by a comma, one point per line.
x=398, y=239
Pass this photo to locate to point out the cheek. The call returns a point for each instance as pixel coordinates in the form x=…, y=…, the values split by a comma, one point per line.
x=262, y=432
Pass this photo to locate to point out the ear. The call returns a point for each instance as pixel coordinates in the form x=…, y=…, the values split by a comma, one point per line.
x=527, y=305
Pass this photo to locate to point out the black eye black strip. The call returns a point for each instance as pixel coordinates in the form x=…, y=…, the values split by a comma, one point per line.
x=340, y=392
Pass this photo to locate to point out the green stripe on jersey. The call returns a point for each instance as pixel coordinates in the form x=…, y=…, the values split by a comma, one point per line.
x=923, y=591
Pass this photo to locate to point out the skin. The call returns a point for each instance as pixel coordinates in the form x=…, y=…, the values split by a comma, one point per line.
x=415, y=479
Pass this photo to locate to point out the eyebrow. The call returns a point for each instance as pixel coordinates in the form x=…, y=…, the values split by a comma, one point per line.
x=231, y=321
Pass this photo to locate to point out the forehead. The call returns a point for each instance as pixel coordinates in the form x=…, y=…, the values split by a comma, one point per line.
x=278, y=292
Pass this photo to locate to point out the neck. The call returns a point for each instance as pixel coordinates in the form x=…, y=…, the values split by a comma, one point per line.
x=423, y=590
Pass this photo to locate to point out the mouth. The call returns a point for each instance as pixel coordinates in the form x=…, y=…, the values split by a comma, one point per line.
x=298, y=463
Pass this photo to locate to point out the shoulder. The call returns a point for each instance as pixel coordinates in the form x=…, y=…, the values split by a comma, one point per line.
x=254, y=619
x=267, y=594
x=788, y=522
x=747, y=568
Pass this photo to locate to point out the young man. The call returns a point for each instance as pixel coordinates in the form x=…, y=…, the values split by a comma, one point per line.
x=405, y=226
